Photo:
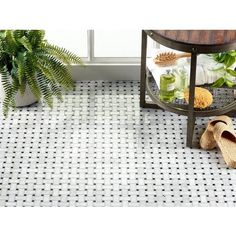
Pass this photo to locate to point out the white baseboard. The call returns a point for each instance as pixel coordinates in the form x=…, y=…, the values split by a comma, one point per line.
x=106, y=72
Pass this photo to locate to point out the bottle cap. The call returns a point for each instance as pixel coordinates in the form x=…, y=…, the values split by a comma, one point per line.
x=168, y=72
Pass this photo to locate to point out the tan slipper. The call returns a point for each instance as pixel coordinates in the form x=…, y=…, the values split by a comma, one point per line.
x=207, y=140
x=225, y=138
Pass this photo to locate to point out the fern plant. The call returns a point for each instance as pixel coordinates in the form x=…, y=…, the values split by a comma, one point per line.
x=26, y=58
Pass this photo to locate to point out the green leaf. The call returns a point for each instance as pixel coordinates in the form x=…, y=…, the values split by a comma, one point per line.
x=233, y=53
x=230, y=60
x=45, y=70
x=229, y=83
x=218, y=69
x=34, y=87
x=15, y=88
x=2, y=34
x=7, y=86
x=231, y=72
x=11, y=42
x=64, y=55
x=30, y=76
x=25, y=42
x=36, y=37
x=56, y=91
x=60, y=72
x=218, y=83
x=221, y=57
x=18, y=33
x=20, y=65
x=22, y=86
x=46, y=92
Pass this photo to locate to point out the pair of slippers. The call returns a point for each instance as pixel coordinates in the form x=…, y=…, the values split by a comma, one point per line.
x=220, y=132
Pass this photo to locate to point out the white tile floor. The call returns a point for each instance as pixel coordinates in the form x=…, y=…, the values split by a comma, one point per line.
x=98, y=148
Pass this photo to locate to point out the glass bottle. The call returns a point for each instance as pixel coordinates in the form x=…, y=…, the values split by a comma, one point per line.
x=167, y=87
x=181, y=82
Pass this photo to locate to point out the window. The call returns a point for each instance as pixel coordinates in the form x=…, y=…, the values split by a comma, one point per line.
x=101, y=46
x=73, y=40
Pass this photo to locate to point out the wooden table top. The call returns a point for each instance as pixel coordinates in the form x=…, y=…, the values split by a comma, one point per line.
x=205, y=41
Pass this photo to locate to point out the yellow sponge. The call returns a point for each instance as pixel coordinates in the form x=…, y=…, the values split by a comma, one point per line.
x=203, y=98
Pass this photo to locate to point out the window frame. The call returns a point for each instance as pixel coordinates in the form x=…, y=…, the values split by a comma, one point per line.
x=91, y=59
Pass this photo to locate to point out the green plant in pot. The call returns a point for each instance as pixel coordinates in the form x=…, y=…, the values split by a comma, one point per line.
x=29, y=64
x=226, y=61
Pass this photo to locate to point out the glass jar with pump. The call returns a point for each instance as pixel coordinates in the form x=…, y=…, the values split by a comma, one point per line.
x=181, y=81
x=167, y=87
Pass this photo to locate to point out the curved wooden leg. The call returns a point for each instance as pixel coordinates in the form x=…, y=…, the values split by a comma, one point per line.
x=143, y=75
x=190, y=130
x=143, y=70
x=191, y=115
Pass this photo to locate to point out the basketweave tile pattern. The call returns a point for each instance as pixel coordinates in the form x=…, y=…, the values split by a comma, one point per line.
x=99, y=148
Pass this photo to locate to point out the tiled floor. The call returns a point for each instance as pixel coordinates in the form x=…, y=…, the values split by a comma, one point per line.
x=98, y=148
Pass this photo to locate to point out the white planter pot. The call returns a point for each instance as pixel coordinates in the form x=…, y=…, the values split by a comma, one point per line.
x=26, y=99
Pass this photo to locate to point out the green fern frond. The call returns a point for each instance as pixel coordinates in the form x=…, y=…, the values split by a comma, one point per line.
x=8, y=90
x=6, y=105
x=26, y=43
x=2, y=34
x=45, y=70
x=18, y=33
x=20, y=65
x=20, y=72
x=22, y=87
x=64, y=55
x=11, y=42
x=15, y=88
x=6, y=80
x=56, y=90
x=30, y=76
x=34, y=87
x=56, y=51
x=60, y=72
x=36, y=37
x=10, y=37
x=46, y=92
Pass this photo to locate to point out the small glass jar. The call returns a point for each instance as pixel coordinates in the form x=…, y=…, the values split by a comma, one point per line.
x=181, y=82
x=167, y=87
